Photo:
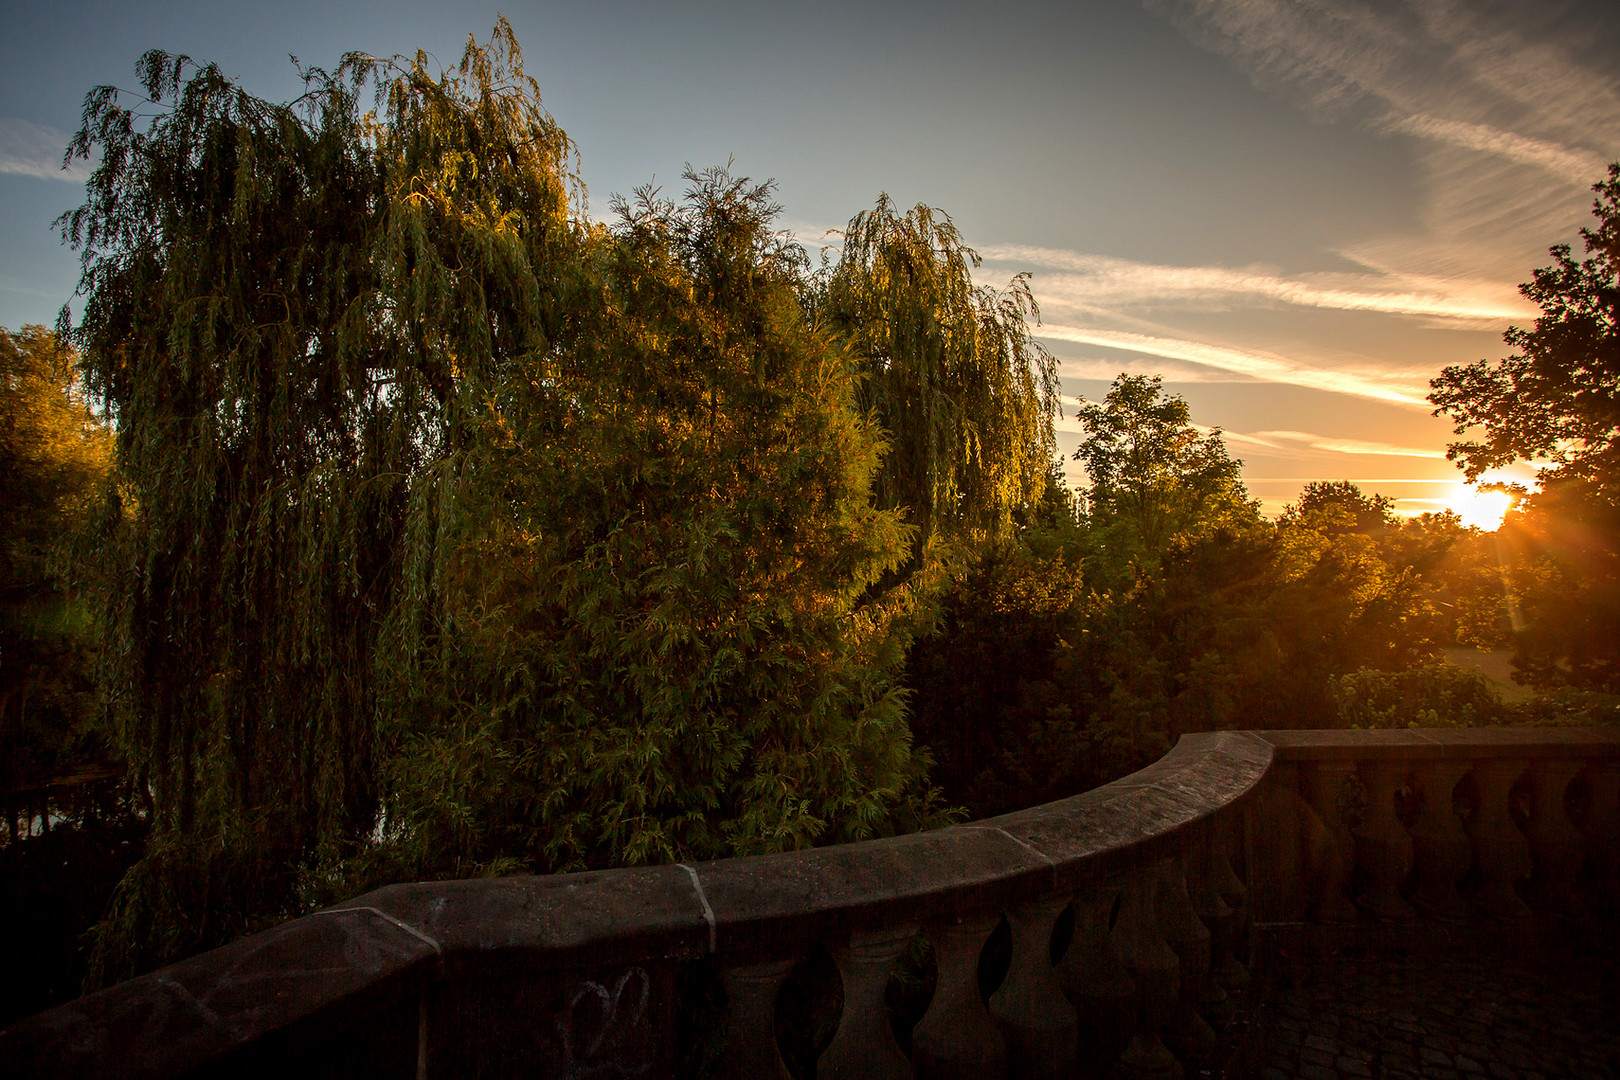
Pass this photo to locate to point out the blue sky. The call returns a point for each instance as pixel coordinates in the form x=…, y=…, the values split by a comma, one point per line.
x=1298, y=212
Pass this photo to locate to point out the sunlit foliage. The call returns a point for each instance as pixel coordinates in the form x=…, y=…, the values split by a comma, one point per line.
x=469, y=536
x=1557, y=398
x=950, y=370
x=1074, y=657
x=648, y=645
x=1154, y=475
x=55, y=453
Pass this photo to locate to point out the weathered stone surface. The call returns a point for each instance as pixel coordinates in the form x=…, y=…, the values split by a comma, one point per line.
x=1441, y=851
x=1518, y=743
x=957, y=1039
x=863, y=1047
x=1041, y=1027
x=1383, y=847
x=751, y=1051
x=1146, y=815
x=1500, y=849
x=269, y=997
x=1420, y=743
x=781, y=901
x=1329, y=745
x=559, y=921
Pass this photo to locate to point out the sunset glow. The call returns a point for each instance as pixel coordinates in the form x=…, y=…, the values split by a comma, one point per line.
x=1482, y=509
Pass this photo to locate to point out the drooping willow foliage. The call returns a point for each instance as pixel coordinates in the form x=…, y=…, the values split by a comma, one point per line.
x=269, y=428
x=459, y=535
x=951, y=371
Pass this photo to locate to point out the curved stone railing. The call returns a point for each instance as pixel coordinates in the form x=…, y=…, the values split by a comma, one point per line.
x=575, y=974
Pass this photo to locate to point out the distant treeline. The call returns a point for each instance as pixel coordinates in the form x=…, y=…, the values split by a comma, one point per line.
x=386, y=518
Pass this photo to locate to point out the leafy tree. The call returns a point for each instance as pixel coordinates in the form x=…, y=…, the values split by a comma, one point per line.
x=55, y=454
x=1563, y=570
x=950, y=371
x=651, y=647
x=1154, y=475
x=279, y=308
x=1558, y=396
x=530, y=543
x=1340, y=505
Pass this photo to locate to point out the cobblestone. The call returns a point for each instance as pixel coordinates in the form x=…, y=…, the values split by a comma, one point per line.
x=1427, y=1002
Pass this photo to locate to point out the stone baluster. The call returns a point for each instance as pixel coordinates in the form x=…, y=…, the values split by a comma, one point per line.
x=1041, y=1026
x=1499, y=847
x=1556, y=849
x=1156, y=972
x=1383, y=848
x=751, y=1049
x=1603, y=831
x=1441, y=853
x=1224, y=962
x=1213, y=912
x=1187, y=1033
x=1279, y=819
x=863, y=1047
x=1329, y=844
x=956, y=1039
x=1093, y=975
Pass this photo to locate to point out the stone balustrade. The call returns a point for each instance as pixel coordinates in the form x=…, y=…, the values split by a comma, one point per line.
x=1163, y=876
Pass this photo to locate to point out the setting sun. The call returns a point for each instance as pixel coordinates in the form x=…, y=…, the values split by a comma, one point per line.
x=1481, y=509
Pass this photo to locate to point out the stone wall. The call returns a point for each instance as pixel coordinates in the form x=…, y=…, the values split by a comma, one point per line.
x=1163, y=874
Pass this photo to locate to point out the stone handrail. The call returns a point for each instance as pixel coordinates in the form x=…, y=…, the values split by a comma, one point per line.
x=576, y=974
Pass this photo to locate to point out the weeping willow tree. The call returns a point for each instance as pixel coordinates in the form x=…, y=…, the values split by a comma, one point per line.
x=950, y=371
x=458, y=535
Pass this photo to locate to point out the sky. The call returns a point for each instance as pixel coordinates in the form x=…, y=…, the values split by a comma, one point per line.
x=1296, y=211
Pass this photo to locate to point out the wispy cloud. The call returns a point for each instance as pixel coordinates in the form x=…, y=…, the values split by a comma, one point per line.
x=1267, y=367
x=1496, y=79
x=1097, y=283
x=1282, y=439
x=1578, y=167
x=1499, y=98
x=36, y=150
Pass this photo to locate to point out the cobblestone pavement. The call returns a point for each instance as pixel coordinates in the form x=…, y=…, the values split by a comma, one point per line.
x=1425, y=1002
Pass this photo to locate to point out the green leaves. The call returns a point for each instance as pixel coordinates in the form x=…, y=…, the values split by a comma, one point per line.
x=471, y=537
x=1558, y=396
x=674, y=565
x=1557, y=399
x=1154, y=475
x=950, y=371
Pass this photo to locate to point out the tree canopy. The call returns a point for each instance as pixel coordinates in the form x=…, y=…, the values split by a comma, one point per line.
x=1557, y=399
x=463, y=535
x=950, y=371
x=1558, y=396
x=55, y=456
x=1153, y=474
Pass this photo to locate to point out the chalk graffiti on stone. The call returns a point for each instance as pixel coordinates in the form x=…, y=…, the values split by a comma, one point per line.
x=605, y=1032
